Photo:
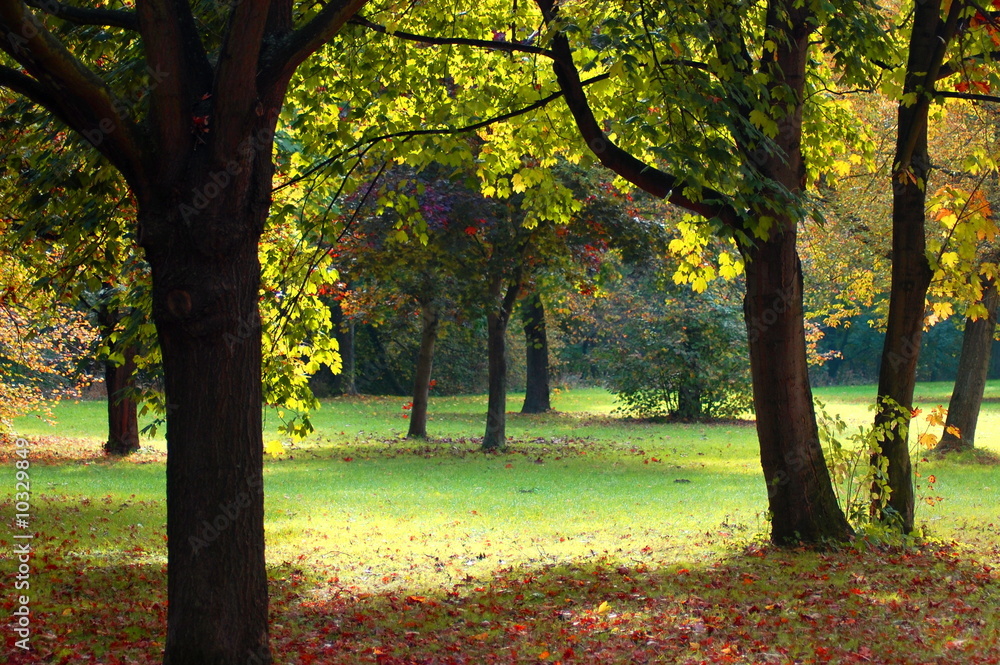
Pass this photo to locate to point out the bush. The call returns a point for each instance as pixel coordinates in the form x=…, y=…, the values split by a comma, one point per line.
x=670, y=352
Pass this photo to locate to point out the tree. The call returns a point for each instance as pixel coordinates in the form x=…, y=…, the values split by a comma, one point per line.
x=119, y=379
x=970, y=383
x=536, y=342
x=196, y=155
x=934, y=29
x=764, y=125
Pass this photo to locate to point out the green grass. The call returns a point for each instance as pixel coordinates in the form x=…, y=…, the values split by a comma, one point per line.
x=357, y=512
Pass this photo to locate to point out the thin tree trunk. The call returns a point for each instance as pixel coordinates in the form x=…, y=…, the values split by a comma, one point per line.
x=496, y=411
x=422, y=378
x=970, y=384
x=343, y=330
x=123, y=421
x=536, y=395
x=382, y=360
x=348, y=372
x=911, y=273
x=119, y=380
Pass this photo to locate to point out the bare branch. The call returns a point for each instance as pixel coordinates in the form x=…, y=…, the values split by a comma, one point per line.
x=492, y=45
x=111, y=18
x=993, y=99
x=26, y=86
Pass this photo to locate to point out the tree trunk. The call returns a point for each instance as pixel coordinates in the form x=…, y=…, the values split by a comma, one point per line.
x=536, y=396
x=973, y=366
x=123, y=420
x=343, y=330
x=348, y=372
x=381, y=359
x=205, y=308
x=911, y=273
x=802, y=502
x=496, y=410
x=422, y=378
x=688, y=400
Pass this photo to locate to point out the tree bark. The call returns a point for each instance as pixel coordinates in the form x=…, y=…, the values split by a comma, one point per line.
x=205, y=308
x=802, y=503
x=970, y=384
x=536, y=395
x=496, y=410
x=422, y=379
x=911, y=273
x=123, y=419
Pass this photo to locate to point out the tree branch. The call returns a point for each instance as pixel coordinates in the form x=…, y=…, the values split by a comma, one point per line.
x=111, y=18
x=279, y=62
x=176, y=56
x=949, y=68
x=649, y=178
x=26, y=86
x=67, y=88
x=968, y=95
x=493, y=45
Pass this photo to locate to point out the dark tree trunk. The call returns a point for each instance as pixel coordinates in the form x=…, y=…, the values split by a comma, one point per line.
x=382, y=360
x=201, y=239
x=536, y=396
x=343, y=330
x=205, y=307
x=348, y=372
x=973, y=366
x=496, y=410
x=688, y=401
x=422, y=378
x=123, y=420
x=802, y=503
x=911, y=273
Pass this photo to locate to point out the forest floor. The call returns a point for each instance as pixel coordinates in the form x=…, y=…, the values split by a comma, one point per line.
x=592, y=539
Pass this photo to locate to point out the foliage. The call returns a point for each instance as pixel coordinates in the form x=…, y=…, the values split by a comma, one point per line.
x=43, y=348
x=859, y=470
x=668, y=351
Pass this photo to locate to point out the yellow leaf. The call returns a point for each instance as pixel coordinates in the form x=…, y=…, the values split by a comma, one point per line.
x=517, y=182
x=954, y=431
x=274, y=447
x=928, y=440
x=603, y=608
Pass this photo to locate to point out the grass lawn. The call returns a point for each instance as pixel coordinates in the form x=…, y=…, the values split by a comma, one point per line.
x=591, y=540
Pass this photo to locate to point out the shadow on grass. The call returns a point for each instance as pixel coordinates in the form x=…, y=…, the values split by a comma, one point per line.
x=928, y=605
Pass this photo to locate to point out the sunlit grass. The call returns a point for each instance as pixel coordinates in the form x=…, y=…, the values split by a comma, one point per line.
x=358, y=510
